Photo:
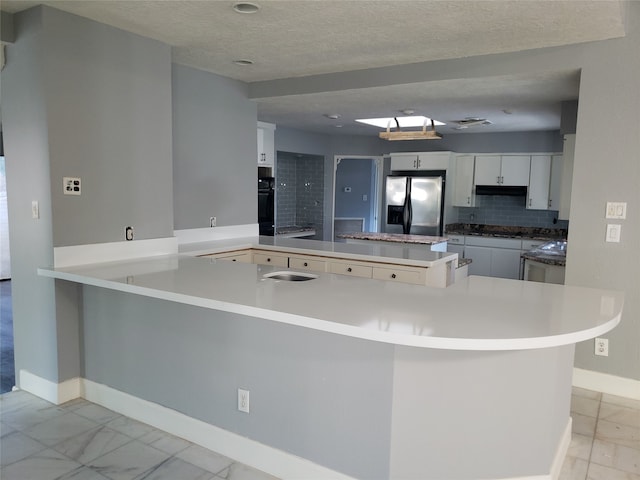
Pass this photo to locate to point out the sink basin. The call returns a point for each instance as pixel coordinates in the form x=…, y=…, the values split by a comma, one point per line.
x=290, y=276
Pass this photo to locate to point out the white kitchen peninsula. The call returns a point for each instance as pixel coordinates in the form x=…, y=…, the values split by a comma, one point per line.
x=368, y=379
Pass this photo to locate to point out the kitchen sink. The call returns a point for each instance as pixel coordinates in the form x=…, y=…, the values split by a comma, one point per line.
x=290, y=276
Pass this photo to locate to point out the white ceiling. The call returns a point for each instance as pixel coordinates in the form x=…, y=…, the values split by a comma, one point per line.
x=297, y=38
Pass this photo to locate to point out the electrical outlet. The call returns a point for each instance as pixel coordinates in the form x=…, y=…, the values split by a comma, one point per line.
x=35, y=209
x=602, y=347
x=128, y=233
x=212, y=221
x=613, y=233
x=71, y=185
x=243, y=400
x=616, y=210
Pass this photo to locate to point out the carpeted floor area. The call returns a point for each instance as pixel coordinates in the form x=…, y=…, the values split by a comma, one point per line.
x=7, y=370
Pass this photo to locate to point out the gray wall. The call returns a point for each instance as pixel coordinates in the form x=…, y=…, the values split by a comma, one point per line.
x=27, y=165
x=357, y=174
x=109, y=122
x=321, y=396
x=96, y=106
x=214, y=150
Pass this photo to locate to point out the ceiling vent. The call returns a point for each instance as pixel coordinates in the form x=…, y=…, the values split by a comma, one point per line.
x=471, y=122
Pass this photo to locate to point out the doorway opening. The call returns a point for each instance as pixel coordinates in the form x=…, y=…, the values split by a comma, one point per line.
x=357, y=185
x=7, y=364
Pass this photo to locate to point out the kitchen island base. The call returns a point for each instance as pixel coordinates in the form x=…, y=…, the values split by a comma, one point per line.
x=366, y=409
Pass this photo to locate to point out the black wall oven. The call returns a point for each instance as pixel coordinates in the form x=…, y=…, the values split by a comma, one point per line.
x=266, y=205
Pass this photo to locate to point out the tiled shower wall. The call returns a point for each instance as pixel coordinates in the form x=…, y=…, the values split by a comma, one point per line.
x=300, y=192
x=508, y=211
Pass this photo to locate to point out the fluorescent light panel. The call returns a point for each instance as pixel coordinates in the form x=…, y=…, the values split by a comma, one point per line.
x=412, y=121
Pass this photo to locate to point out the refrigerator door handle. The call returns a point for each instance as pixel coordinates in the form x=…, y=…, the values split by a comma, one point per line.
x=407, y=212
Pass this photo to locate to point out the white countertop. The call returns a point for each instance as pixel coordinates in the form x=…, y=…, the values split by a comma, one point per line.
x=412, y=255
x=476, y=313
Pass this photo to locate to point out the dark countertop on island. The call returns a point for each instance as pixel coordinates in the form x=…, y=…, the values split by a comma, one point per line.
x=394, y=237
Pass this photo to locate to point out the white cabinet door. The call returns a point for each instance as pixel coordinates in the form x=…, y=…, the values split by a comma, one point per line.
x=308, y=263
x=539, y=176
x=277, y=260
x=505, y=263
x=487, y=170
x=481, y=260
x=515, y=170
x=567, y=176
x=555, y=182
x=266, y=144
x=404, y=162
x=463, y=193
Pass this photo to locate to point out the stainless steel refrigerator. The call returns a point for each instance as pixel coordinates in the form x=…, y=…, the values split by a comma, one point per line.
x=414, y=204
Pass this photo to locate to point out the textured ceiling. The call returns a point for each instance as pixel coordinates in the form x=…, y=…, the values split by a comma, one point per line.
x=287, y=39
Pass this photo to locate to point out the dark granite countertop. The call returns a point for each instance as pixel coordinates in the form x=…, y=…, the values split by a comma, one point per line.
x=463, y=262
x=394, y=237
x=293, y=229
x=501, y=231
x=560, y=260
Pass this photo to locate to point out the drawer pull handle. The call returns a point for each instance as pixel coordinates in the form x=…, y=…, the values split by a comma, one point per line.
x=268, y=259
x=393, y=275
x=234, y=260
x=306, y=264
x=349, y=269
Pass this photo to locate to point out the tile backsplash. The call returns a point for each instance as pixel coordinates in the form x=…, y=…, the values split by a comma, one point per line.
x=300, y=192
x=509, y=211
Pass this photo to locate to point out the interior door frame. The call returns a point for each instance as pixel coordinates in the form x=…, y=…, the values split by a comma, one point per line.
x=377, y=193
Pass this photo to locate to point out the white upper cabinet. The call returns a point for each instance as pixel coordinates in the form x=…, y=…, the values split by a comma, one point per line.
x=539, y=176
x=567, y=176
x=463, y=190
x=515, y=170
x=504, y=170
x=420, y=161
x=555, y=183
x=266, y=144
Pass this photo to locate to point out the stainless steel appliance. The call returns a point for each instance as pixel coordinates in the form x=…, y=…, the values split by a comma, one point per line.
x=266, y=205
x=414, y=204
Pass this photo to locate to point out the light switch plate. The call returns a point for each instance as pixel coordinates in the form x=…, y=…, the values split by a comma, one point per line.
x=613, y=232
x=71, y=185
x=617, y=210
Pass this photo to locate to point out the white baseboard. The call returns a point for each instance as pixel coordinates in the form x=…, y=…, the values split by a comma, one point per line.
x=605, y=383
x=56, y=393
x=113, y=251
x=244, y=450
x=198, y=235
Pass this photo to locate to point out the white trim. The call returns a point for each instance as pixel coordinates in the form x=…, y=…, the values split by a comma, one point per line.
x=197, y=235
x=113, y=251
x=57, y=393
x=605, y=383
x=268, y=459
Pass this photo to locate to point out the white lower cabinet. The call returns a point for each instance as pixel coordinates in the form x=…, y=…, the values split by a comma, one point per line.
x=494, y=257
x=308, y=263
x=243, y=256
x=349, y=268
x=266, y=258
x=404, y=275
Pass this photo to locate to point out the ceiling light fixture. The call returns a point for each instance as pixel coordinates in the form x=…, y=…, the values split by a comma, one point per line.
x=246, y=7
x=405, y=122
x=423, y=134
x=243, y=63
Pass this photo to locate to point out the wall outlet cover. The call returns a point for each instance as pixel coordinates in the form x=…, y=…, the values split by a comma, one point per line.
x=71, y=185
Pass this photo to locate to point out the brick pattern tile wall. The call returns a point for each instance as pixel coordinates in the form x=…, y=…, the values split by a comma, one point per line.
x=508, y=211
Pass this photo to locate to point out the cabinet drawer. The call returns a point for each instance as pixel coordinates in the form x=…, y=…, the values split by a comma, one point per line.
x=531, y=244
x=351, y=269
x=312, y=264
x=271, y=259
x=236, y=257
x=495, y=242
x=414, y=276
x=455, y=239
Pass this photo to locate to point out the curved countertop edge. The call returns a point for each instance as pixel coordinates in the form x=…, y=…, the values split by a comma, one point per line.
x=441, y=343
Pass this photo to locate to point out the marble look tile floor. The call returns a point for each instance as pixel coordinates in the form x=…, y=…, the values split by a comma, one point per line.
x=83, y=441
x=80, y=440
x=605, y=442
